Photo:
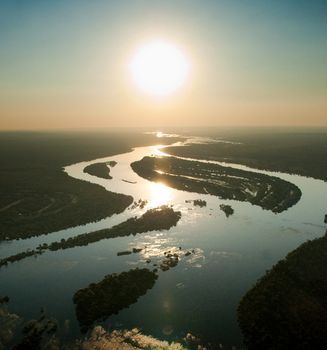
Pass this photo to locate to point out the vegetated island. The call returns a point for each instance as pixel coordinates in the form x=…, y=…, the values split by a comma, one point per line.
x=113, y=293
x=161, y=218
x=287, y=308
x=268, y=192
x=99, y=170
x=227, y=209
x=20, y=256
x=197, y=202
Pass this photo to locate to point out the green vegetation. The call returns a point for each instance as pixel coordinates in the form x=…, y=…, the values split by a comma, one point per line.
x=287, y=308
x=9, y=323
x=20, y=256
x=170, y=260
x=139, y=204
x=125, y=252
x=39, y=334
x=300, y=152
x=131, y=339
x=162, y=218
x=4, y=300
x=113, y=293
x=49, y=202
x=37, y=197
x=268, y=192
x=227, y=209
x=99, y=170
x=56, y=202
x=197, y=202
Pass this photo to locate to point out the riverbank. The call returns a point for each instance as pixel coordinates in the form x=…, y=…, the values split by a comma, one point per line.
x=37, y=197
x=287, y=307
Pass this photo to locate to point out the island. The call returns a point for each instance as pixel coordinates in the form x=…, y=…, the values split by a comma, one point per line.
x=114, y=293
x=161, y=218
x=99, y=170
x=268, y=192
x=287, y=308
x=20, y=256
x=227, y=209
x=197, y=202
x=156, y=219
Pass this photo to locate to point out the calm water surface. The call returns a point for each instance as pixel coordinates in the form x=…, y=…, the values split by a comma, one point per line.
x=201, y=294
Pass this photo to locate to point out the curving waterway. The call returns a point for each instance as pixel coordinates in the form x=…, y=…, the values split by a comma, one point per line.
x=200, y=295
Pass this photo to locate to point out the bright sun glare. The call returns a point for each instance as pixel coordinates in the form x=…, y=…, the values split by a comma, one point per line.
x=159, y=68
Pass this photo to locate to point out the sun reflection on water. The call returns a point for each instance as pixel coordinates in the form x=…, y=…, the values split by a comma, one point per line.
x=159, y=194
x=156, y=150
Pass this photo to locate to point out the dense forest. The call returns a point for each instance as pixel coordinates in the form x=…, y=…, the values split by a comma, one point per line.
x=98, y=169
x=287, y=308
x=113, y=293
x=270, y=193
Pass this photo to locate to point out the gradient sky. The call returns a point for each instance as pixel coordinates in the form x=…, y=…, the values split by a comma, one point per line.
x=63, y=63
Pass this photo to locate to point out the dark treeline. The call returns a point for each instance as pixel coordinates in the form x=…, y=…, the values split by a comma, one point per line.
x=162, y=218
x=39, y=334
x=268, y=192
x=99, y=170
x=287, y=308
x=300, y=152
x=20, y=256
x=227, y=209
x=113, y=293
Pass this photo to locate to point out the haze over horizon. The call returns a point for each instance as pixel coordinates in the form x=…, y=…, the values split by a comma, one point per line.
x=65, y=64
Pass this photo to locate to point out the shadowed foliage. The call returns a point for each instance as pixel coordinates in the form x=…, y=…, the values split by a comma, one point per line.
x=113, y=293
x=161, y=218
x=268, y=192
x=287, y=308
x=296, y=152
x=99, y=170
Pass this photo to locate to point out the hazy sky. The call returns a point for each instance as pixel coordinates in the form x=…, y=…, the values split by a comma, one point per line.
x=63, y=63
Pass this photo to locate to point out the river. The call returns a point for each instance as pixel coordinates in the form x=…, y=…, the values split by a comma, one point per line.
x=201, y=294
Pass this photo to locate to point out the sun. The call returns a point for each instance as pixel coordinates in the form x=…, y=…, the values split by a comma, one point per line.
x=159, y=68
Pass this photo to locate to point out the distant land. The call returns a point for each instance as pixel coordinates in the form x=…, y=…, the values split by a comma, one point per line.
x=298, y=151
